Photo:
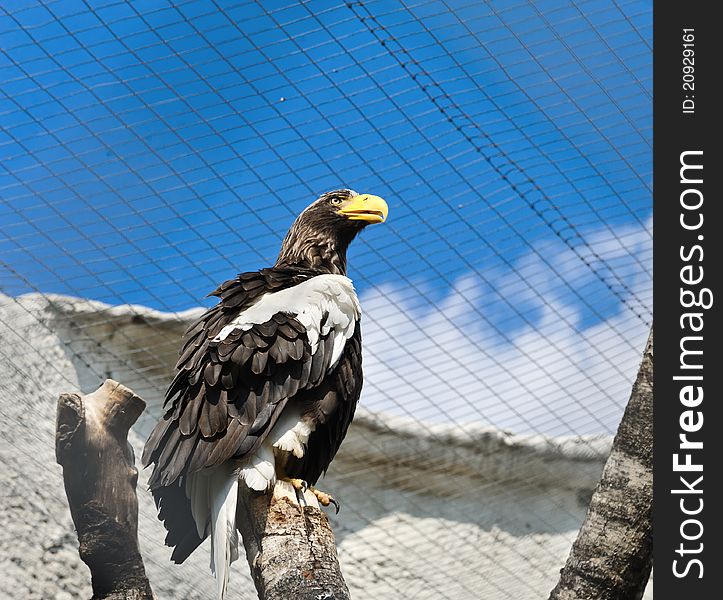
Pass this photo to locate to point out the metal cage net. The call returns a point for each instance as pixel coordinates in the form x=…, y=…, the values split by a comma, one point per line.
x=151, y=150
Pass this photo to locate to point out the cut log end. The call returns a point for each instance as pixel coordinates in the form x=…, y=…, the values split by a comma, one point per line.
x=116, y=406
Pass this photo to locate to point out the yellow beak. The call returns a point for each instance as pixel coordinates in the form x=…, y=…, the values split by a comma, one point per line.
x=366, y=207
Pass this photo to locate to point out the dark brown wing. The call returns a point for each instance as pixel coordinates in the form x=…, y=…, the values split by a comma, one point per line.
x=228, y=394
x=333, y=403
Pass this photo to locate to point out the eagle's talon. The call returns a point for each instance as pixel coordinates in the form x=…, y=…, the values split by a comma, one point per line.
x=325, y=499
x=298, y=484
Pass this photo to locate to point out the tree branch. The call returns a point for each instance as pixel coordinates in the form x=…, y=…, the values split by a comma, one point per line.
x=290, y=549
x=612, y=556
x=100, y=482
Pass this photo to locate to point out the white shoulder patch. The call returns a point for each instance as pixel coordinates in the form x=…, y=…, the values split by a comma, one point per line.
x=308, y=301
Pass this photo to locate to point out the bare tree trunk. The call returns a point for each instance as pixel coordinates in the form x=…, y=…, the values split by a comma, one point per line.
x=100, y=482
x=612, y=556
x=291, y=550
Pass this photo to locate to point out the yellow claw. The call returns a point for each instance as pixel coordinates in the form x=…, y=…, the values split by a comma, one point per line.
x=298, y=484
x=323, y=498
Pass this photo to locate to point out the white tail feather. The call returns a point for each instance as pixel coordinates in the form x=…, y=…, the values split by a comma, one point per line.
x=222, y=493
x=197, y=491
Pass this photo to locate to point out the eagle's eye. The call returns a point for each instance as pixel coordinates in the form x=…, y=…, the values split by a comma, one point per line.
x=335, y=201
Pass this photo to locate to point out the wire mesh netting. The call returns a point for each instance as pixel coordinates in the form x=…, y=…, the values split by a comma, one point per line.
x=152, y=150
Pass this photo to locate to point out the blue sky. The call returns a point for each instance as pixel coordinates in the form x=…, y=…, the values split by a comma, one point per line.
x=150, y=151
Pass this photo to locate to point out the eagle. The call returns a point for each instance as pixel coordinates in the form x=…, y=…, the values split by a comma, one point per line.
x=266, y=385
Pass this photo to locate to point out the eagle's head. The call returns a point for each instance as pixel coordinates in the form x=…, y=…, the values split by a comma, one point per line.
x=321, y=234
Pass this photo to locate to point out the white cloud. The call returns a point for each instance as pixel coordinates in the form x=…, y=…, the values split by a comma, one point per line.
x=550, y=374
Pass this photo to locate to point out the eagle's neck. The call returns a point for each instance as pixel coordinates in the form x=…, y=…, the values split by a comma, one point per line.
x=319, y=251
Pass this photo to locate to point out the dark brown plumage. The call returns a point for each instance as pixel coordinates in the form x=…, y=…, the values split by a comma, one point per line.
x=260, y=353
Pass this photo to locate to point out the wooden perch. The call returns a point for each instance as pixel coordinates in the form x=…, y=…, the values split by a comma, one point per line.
x=100, y=481
x=612, y=556
x=290, y=550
